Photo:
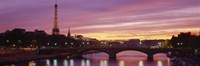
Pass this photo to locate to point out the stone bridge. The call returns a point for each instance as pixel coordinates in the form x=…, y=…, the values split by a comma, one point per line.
x=112, y=52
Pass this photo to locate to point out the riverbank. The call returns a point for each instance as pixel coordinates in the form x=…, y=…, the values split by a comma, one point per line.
x=13, y=59
x=184, y=61
x=189, y=62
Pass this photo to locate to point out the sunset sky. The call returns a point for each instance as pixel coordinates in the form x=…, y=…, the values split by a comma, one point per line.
x=104, y=19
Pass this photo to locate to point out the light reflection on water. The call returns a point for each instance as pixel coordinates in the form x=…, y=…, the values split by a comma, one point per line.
x=87, y=63
x=82, y=63
x=65, y=62
x=141, y=63
x=12, y=64
x=48, y=62
x=32, y=63
x=103, y=63
x=71, y=62
x=55, y=62
x=121, y=63
x=159, y=63
x=123, y=59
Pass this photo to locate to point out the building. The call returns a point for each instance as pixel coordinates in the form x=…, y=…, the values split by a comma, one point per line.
x=152, y=43
x=133, y=42
x=55, y=30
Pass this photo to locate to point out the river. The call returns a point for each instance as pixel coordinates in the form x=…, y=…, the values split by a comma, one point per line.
x=126, y=58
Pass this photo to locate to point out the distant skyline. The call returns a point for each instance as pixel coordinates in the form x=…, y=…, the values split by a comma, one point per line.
x=104, y=19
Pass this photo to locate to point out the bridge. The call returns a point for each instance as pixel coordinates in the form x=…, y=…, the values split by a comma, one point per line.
x=111, y=51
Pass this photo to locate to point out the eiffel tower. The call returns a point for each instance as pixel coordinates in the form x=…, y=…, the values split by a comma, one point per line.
x=55, y=30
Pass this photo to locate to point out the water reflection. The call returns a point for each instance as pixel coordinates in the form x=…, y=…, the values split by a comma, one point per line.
x=159, y=63
x=103, y=63
x=83, y=63
x=65, y=62
x=141, y=63
x=168, y=62
x=71, y=62
x=32, y=63
x=12, y=64
x=55, y=62
x=122, y=60
x=121, y=63
x=87, y=63
x=48, y=62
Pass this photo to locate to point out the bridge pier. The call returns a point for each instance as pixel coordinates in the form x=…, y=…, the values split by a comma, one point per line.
x=77, y=56
x=112, y=56
x=150, y=57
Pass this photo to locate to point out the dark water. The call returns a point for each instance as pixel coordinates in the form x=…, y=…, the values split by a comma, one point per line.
x=127, y=58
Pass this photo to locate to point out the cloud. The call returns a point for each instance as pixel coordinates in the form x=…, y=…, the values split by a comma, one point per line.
x=103, y=16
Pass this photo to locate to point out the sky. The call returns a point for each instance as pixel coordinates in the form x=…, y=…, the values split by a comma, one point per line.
x=104, y=19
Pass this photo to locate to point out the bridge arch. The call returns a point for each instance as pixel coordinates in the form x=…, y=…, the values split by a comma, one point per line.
x=150, y=53
x=94, y=50
x=131, y=53
x=113, y=54
x=158, y=54
x=82, y=53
